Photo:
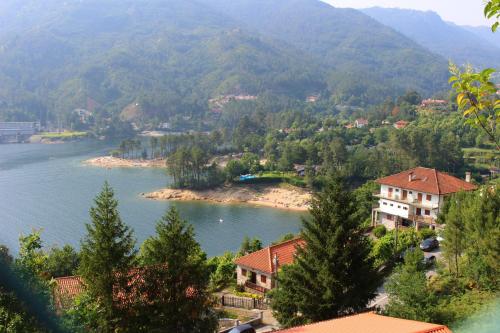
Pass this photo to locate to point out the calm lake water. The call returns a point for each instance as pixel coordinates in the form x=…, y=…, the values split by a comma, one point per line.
x=47, y=187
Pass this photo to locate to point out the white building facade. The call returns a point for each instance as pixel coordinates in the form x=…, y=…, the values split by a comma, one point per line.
x=414, y=198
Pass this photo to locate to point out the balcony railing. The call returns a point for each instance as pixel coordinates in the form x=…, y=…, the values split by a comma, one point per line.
x=408, y=201
x=423, y=219
x=256, y=287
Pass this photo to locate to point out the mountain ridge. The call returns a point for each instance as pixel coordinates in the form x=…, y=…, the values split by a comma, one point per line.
x=431, y=31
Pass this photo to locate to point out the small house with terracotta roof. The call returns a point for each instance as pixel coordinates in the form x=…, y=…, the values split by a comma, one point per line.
x=369, y=322
x=65, y=291
x=401, y=124
x=361, y=122
x=434, y=104
x=415, y=197
x=256, y=271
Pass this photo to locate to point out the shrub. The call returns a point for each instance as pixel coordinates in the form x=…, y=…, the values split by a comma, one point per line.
x=379, y=231
x=383, y=249
x=115, y=153
x=224, y=272
x=426, y=233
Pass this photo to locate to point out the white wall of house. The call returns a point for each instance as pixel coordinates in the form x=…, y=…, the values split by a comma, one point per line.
x=394, y=208
x=390, y=224
x=242, y=277
x=428, y=201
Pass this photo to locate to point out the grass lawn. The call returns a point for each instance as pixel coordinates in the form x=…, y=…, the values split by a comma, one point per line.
x=285, y=177
x=62, y=135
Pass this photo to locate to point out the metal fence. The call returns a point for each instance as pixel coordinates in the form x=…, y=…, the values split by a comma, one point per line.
x=243, y=302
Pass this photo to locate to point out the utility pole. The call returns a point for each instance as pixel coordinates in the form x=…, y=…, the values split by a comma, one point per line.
x=396, y=238
x=276, y=263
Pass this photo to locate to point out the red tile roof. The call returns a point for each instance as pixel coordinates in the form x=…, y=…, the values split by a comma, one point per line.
x=66, y=289
x=428, y=181
x=369, y=323
x=262, y=260
x=401, y=124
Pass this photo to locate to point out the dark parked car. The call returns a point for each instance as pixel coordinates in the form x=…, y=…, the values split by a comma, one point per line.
x=429, y=244
x=429, y=261
x=243, y=329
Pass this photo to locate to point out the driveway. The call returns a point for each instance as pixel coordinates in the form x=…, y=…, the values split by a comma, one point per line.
x=381, y=300
x=438, y=254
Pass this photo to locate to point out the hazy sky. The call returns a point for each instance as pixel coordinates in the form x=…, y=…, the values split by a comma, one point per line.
x=463, y=12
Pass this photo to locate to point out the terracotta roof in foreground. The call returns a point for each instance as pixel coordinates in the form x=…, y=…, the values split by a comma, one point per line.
x=262, y=260
x=427, y=180
x=369, y=323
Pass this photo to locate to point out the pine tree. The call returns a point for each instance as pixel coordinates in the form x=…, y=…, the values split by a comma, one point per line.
x=333, y=275
x=176, y=280
x=249, y=245
x=107, y=256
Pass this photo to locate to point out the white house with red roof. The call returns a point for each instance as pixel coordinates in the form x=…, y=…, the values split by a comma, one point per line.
x=257, y=270
x=415, y=197
x=434, y=103
x=361, y=122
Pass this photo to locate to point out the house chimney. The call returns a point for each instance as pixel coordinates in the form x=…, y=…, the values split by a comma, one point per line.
x=467, y=176
x=410, y=176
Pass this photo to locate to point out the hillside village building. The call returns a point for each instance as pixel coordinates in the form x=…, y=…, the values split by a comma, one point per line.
x=401, y=124
x=361, y=122
x=434, y=104
x=414, y=198
x=257, y=271
x=17, y=131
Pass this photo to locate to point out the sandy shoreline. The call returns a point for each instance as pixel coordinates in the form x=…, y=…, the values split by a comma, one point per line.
x=116, y=162
x=283, y=197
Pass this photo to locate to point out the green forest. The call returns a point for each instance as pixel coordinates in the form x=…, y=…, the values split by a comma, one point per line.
x=169, y=58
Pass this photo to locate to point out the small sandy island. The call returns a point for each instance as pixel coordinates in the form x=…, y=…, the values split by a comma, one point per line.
x=116, y=162
x=284, y=196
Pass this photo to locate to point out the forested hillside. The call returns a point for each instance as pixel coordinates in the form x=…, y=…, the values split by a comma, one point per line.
x=366, y=59
x=447, y=39
x=168, y=57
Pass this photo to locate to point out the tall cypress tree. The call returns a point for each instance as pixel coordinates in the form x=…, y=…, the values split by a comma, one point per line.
x=454, y=234
x=333, y=275
x=107, y=255
x=175, y=280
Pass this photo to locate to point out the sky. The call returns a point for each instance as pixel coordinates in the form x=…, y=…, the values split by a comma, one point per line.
x=462, y=12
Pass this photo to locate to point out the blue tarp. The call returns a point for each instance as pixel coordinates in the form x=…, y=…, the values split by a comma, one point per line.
x=247, y=177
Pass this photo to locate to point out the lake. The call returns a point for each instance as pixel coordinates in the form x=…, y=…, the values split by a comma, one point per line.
x=47, y=187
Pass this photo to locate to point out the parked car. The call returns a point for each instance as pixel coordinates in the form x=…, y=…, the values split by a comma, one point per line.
x=243, y=329
x=429, y=244
x=429, y=261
